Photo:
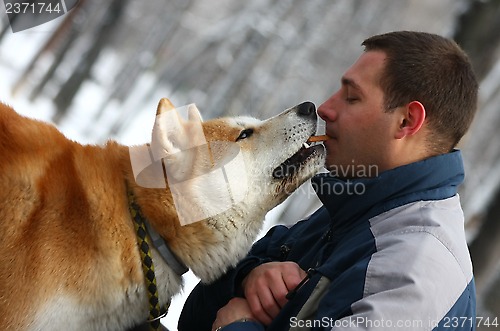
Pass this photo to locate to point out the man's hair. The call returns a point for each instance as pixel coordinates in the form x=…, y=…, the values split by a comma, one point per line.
x=436, y=72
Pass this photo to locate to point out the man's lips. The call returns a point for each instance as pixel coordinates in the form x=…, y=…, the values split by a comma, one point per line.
x=331, y=134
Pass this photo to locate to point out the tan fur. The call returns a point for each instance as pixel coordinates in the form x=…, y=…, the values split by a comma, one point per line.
x=68, y=249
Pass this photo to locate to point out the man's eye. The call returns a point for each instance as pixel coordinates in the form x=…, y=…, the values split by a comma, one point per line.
x=245, y=134
x=351, y=99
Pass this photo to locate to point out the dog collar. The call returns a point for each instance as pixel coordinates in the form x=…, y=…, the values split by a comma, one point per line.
x=146, y=237
x=168, y=256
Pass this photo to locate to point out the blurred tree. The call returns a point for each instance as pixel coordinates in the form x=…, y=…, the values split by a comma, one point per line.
x=477, y=32
x=103, y=33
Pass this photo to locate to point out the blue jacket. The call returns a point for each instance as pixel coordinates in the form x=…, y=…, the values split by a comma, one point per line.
x=386, y=253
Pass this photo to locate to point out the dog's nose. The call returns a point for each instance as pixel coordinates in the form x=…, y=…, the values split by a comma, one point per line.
x=306, y=108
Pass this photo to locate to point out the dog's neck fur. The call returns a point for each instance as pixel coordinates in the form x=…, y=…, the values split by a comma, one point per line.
x=208, y=247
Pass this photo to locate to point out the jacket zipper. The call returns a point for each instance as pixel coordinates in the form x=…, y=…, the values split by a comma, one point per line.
x=293, y=292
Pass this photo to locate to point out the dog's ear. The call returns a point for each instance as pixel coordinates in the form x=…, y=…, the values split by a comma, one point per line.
x=175, y=134
x=194, y=113
x=196, y=172
x=176, y=130
x=163, y=106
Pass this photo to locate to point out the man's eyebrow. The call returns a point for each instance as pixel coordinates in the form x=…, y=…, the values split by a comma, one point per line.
x=351, y=83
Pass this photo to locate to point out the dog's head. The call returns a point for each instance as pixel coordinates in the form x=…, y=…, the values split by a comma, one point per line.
x=225, y=174
x=276, y=157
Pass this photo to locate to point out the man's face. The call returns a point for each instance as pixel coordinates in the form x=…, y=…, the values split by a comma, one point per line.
x=359, y=129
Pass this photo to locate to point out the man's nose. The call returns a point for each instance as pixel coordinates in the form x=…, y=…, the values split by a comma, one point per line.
x=327, y=110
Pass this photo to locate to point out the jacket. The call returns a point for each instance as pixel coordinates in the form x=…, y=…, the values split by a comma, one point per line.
x=387, y=252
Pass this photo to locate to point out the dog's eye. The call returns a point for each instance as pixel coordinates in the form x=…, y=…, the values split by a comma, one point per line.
x=245, y=134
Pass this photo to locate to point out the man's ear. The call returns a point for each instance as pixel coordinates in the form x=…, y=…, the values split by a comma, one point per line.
x=412, y=118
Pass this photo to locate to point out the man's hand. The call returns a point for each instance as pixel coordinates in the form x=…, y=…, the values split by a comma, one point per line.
x=266, y=287
x=236, y=309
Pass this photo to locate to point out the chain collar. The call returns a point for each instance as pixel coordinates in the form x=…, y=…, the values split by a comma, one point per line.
x=144, y=243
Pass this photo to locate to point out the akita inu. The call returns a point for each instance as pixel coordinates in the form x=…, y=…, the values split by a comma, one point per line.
x=69, y=253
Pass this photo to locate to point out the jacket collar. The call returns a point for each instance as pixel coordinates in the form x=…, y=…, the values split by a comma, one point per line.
x=347, y=200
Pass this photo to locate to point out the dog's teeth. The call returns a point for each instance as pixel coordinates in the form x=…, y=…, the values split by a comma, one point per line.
x=305, y=145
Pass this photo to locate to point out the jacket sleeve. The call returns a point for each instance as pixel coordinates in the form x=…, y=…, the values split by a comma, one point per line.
x=243, y=326
x=205, y=300
x=413, y=282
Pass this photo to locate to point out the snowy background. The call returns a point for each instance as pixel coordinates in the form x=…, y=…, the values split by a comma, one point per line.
x=99, y=71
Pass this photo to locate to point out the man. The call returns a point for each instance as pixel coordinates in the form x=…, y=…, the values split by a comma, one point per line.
x=387, y=250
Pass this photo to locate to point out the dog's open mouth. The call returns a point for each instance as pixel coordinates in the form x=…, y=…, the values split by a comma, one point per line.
x=290, y=166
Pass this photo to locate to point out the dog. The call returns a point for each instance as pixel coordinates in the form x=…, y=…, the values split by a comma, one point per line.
x=69, y=251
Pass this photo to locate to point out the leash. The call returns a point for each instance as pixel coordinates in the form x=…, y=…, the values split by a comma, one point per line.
x=155, y=312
